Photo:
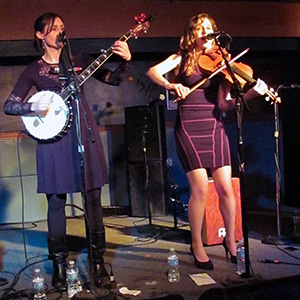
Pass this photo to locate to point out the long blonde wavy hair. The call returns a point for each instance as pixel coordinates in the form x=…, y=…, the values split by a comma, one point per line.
x=188, y=42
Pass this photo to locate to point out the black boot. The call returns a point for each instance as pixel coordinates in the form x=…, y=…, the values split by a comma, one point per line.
x=101, y=276
x=58, y=252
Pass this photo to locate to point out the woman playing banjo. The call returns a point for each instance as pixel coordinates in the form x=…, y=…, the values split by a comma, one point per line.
x=58, y=160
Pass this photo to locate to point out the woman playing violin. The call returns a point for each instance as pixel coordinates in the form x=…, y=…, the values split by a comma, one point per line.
x=201, y=141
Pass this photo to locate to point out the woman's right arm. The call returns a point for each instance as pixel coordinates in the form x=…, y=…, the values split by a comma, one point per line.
x=14, y=106
x=156, y=73
x=16, y=103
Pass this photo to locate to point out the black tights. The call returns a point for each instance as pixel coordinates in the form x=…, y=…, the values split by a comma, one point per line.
x=57, y=216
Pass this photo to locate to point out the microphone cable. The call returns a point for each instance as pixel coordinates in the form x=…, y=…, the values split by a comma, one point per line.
x=277, y=262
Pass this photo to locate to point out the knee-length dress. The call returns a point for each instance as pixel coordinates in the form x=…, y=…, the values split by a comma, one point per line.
x=59, y=163
x=201, y=140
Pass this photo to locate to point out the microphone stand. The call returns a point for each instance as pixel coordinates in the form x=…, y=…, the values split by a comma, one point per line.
x=66, y=58
x=175, y=233
x=144, y=148
x=277, y=239
x=240, y=102
x=149, y=228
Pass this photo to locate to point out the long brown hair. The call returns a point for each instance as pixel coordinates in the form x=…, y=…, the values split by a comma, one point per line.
x=39, y=25
x=188, y=42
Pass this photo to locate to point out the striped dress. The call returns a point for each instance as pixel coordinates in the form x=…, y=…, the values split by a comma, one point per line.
x=201, y=140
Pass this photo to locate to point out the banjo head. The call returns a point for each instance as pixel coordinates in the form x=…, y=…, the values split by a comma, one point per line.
x=50, y=124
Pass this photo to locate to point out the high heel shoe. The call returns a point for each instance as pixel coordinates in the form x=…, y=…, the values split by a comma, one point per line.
x=208, y=265
x=232, y=257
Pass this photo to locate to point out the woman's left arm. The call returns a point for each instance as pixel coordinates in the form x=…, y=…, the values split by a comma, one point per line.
x=115, y=77
x=259, y=89
x=226, y=102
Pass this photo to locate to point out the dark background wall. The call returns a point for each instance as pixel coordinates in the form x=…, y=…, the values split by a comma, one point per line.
x=106, y=19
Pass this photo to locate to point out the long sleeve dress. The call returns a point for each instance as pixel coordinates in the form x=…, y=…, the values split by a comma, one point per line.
x=59, y=164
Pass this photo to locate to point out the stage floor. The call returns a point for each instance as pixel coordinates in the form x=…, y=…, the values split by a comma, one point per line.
x=138, y=258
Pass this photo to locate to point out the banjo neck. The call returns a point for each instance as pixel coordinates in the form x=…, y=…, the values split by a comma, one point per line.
x=94, y=66
x=98, y=62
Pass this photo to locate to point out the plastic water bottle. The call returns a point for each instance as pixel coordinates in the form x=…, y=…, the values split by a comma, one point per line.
x=73, y=281
x=173, y=266
x=240, y=256
x=38, y=285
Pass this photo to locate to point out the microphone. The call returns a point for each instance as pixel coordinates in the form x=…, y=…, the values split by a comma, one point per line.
x=61, y=38
x=212, y=35
x=55, y=70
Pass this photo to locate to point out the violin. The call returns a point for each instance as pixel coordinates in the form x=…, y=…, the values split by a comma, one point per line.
x=212, y=62
x=198, y=84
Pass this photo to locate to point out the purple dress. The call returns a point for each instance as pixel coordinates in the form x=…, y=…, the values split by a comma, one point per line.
x=58, y=162
x=200, y=137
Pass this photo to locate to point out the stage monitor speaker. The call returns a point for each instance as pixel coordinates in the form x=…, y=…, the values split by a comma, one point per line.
x=290, y=124
x=145, y=130
x=157, y=191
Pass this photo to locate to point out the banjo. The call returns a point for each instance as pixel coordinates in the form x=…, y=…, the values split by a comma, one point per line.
x=53, y=123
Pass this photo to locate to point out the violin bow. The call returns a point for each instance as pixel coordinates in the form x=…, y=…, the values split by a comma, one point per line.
x=213, y=74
